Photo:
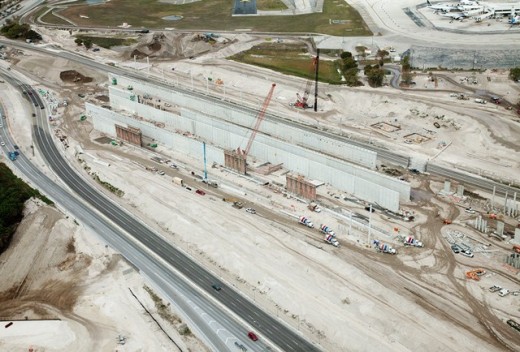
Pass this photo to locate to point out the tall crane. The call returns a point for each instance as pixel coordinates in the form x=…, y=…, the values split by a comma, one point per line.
x=302, y=100
x=260, y=117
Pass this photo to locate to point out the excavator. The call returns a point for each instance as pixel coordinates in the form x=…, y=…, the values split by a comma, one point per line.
x=475, y=274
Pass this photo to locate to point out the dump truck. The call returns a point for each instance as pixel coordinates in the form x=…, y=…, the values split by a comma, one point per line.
x=331, y=240
x=410, y=241
x=305, y=221
x=314, y=207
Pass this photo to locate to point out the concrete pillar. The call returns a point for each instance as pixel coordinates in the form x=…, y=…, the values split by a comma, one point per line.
x=516, y=239
x=447, y=186
x=460, y=190
x=500, y=228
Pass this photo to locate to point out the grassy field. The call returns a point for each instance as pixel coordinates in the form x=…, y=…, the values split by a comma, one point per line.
x=270, y=5
x=50, y=18
x=337, y=18
x=292, y=59
x=107, y=43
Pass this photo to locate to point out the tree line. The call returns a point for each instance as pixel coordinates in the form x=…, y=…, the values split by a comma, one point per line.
x=13, y=195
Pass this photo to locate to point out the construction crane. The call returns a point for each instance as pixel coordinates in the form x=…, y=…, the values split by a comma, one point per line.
x=302, y=100
x=259, y=119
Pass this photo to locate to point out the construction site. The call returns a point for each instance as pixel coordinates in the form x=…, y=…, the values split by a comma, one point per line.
x=281, y=203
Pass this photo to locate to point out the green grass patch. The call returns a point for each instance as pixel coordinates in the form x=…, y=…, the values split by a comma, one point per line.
x=108, y=42
x=337, y=18
x=270, y=5
x=50, y=18
x=291, y=59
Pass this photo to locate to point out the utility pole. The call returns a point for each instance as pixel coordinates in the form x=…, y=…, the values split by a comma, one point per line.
x=316, y=68
x=205, y=169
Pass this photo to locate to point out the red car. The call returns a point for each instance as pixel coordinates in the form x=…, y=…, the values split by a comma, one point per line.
x=201, y=192
x=252, y=336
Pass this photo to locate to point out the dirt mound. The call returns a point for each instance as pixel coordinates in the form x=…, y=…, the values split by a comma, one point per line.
x=73, y=76
x=137, y=54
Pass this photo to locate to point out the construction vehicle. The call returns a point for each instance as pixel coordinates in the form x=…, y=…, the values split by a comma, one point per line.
x=238, y=205
x=326, y=230
x=331, y=239
x=261, y=115
x=302, y=100
x=513, y=324
x=305, y=221
x=178, y=181
x=383, y=248
x=314, y=207
x=480, y=101
x=516, y=248
x=410, y=241
x=475, y=274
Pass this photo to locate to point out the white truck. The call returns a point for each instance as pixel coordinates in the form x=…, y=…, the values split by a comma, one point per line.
x=305, y=221
x=384, y=248
x=410, y=241
x=480, y=101
x=331, y=240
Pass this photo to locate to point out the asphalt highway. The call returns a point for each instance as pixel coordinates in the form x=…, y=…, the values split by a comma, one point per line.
x=264, y=325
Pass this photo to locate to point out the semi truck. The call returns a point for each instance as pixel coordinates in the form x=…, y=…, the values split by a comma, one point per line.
x=410, y=241
x=331, y=240
x=305, y=221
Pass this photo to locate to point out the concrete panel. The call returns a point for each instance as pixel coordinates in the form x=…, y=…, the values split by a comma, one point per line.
x=363, y=183
x=292, y=134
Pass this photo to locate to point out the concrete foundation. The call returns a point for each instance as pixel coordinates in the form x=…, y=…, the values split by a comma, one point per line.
x=298, y=185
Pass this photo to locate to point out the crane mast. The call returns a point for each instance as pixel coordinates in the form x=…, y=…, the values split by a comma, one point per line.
x=259, y=119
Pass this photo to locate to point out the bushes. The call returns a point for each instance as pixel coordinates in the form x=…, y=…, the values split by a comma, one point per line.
x=13, y=30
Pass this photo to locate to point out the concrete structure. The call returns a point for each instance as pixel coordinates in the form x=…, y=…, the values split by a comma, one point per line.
x=298, y=185
x=235, y=161
x=222, y=128
x=129, y=134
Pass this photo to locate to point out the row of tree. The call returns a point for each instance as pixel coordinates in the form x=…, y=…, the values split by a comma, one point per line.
x=14, y=30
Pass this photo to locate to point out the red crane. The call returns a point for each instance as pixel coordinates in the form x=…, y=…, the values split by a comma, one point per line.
x=259, y=119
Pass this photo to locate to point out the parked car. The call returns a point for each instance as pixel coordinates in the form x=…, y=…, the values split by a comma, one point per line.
x=251, y=211
x=216, y=287
x=161, y=173
x=188, y=188
x=467, y=254
x=201, y=192
x=470, y=210
x=252, y=336
x=368, y=208
x=503, y=292
x=495, y=288
x=455, y=248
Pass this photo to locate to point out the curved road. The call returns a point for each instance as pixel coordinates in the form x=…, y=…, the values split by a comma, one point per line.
x=263, y=323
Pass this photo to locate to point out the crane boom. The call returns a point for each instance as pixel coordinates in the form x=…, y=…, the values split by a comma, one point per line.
x=259, y=119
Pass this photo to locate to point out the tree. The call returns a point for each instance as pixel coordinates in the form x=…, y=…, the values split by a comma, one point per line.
x=406, y=70
x=376, y=76
x=78, y=41
x=514, y=74
x=87, y=43
x=349, y=69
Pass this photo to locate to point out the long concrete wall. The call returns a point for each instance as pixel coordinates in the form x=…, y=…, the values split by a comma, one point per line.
x=291, y=134
x=219, y=135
